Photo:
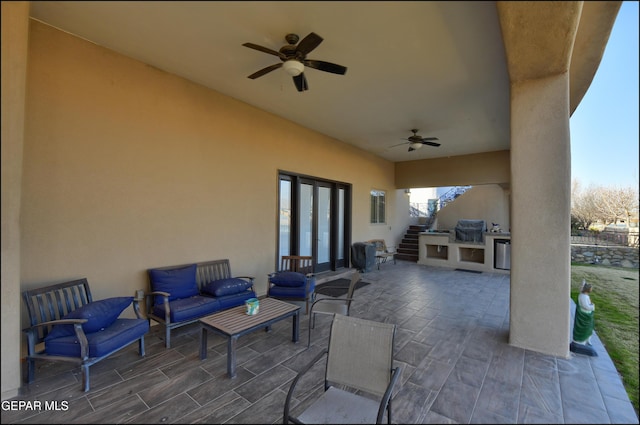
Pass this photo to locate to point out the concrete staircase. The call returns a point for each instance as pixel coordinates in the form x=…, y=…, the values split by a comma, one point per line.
x=408, y=248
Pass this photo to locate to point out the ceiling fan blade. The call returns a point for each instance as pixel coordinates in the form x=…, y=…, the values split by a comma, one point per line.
x=399, y=144
x=411, y=149
x=325, y=66
x=301, y=82
x=431, y=143
x=265, y=50
x=429, y=138
x=309, y=43
x=264, y=71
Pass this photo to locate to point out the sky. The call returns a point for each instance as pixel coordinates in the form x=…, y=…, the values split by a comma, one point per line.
x=604, y=127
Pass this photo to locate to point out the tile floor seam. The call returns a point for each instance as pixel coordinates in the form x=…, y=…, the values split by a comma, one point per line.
x=475, y=404
x=520, y=390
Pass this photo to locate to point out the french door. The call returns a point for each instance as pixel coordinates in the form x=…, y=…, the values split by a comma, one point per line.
x=314, y=220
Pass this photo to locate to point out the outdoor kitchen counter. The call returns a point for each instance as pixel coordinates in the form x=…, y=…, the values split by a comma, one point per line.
x=441, y=249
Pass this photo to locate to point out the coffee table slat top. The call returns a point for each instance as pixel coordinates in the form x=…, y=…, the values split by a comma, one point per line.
x=235, y=320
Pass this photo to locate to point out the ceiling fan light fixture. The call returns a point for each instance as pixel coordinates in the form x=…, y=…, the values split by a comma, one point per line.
x=293, y=67
x=416, y=145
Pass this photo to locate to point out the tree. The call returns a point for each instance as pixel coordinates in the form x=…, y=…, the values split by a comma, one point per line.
x=598, y=204
x=584, y=211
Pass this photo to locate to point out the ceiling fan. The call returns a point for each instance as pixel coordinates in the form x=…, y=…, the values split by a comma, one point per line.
x=294, y=59
x=416, y=142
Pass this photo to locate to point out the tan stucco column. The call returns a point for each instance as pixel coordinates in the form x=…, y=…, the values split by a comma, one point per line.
x=15, y=30
x=541, y=208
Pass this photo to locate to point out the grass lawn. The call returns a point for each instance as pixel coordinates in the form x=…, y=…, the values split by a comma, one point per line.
x=615, y=295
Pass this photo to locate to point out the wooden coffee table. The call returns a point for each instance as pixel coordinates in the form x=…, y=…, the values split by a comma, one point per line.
x=234, y=323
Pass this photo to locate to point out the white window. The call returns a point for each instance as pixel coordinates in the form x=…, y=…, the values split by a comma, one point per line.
x=378, y=206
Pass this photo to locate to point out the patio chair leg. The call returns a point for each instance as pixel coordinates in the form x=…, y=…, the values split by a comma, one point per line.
x=312, y=324
x=141, y=346
x=85, y=377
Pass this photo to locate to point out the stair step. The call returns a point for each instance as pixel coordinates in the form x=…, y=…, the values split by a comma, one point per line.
x=408, y=247
x=407, y=257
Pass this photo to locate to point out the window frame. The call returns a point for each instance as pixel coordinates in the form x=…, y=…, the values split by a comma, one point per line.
x=378, y=206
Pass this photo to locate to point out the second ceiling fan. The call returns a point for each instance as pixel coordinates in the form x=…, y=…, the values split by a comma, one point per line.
x=416, y=142
x=294, y=59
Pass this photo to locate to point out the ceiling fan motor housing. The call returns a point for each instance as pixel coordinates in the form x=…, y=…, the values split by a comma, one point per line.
x=289, y=51
x=292, y=38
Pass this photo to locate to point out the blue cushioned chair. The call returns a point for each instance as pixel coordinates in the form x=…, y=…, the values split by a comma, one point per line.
x=294, y=281
x=73, y=328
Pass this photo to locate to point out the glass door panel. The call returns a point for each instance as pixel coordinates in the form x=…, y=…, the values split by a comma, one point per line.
x=323, y=224
x=285, y=219
x=340, y=219
x=306, y=219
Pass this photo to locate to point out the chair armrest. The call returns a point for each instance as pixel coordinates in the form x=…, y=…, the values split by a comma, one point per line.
x=297, y=378
x=251, y=278
x=332, y=287
x=331, y=299
x=55, y=322
x=161, y=293
x=32, y=335
x=389, y=392
x=136, y=308
x=165, y=296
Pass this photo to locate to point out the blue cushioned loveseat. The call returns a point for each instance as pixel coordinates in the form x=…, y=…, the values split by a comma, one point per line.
x=74, y=328
x=183, y=294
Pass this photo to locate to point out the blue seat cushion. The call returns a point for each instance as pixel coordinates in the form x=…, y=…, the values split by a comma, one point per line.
x=292, y=291
x=189, y=308
x=99, y=315
x=229, y=286
x=233, y=300
x=121, y=333
x=179, y=283
x=291, y=279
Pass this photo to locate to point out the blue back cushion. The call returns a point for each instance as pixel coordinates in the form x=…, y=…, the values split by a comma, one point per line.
x=179, y=283
x=100, y=314
x=290, y=279
x=229, y=286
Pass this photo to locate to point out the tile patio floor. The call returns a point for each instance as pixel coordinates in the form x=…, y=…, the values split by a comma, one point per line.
x=452, y=338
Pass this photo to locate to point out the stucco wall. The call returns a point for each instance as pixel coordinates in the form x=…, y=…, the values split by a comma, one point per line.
x=15, y=23
x=128, y=167
x=485, y=202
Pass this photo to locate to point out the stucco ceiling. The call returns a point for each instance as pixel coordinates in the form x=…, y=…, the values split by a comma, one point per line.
x=436, y=66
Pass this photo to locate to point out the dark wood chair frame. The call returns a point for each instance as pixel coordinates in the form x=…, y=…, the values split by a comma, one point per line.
x=46, y=307
x=206, y=271
x=302, y=264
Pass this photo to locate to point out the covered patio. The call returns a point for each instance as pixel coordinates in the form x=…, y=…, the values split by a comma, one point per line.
x=452, y=338
x=113, y=164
